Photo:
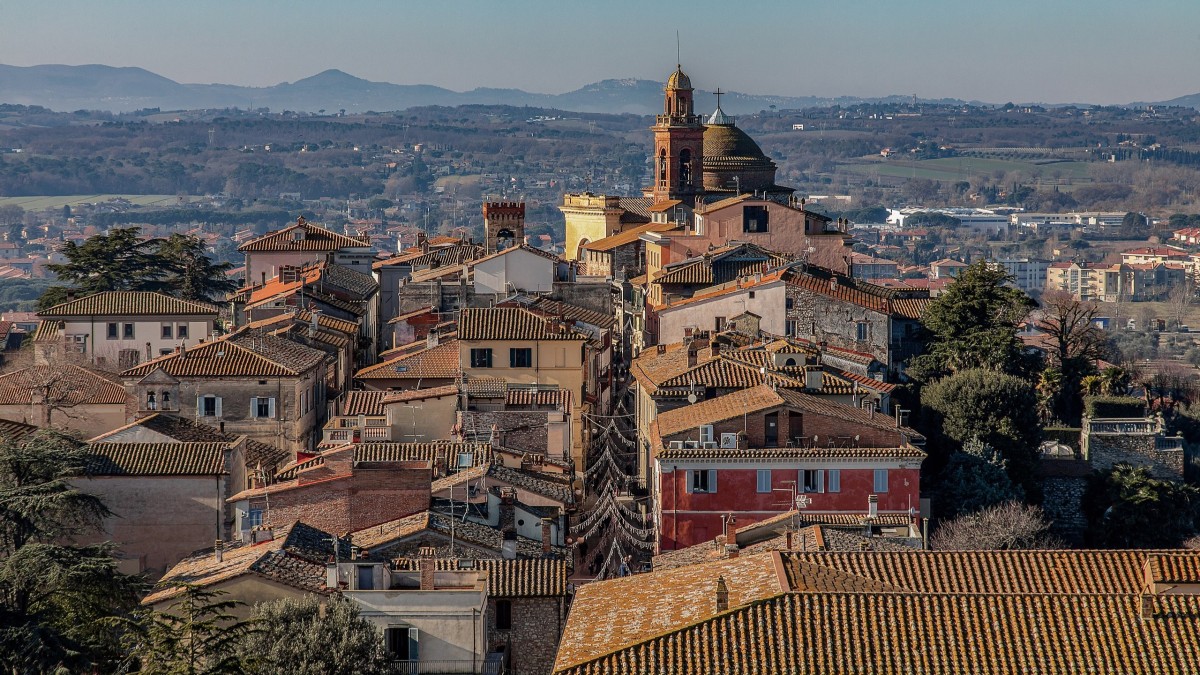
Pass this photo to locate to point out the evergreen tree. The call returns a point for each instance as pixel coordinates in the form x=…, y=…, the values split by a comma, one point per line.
x=118, y=261
x=973, y=479
x=54, y=596
x=973, y=324
x=193, y=275
x=1128, y=508
x=198, y=634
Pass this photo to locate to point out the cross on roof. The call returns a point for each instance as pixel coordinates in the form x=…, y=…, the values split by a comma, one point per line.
x=718, y=92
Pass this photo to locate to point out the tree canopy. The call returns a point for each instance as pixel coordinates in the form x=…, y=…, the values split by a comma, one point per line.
x=973, y=324
x=1126, y=507
x=298, y=636
x=1004, y=527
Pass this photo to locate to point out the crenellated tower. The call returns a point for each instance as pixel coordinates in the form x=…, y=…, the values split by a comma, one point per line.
x=503, y=224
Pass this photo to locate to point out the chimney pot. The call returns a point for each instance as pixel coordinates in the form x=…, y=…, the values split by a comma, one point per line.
x=722, y=594
x=873, y=506
x=218, y=550
x=547, y=533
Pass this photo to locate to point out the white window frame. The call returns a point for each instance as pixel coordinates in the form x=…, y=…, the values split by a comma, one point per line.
x=833, y=480
x=764, y=481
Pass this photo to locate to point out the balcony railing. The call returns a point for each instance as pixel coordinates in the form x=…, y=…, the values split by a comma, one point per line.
x=446, y=667
x=1123, y=427
x=1167, y=444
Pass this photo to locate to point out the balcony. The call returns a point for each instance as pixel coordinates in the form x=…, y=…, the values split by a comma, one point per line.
x=447, y=667
x=1123, y=427
x=356, y=429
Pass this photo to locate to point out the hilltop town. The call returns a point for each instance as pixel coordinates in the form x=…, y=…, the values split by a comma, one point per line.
x=683, y=416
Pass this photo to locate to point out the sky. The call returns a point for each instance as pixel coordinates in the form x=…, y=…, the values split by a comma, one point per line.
x=1053, y=51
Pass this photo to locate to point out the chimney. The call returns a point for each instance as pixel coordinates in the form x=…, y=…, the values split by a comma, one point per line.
x=508, y=497
x=661, y=349
x=789, y=538
x=722, y=594
x=428, y=567
x=731, y=550
x=691, y=361
x=1146, y=606
x=508, y=549
x=547, y=532
x=431, y=340
x=814, y=378
x=873, y=506
x=219, y=550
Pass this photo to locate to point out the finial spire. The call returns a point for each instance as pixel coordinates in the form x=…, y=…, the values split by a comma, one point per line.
x=678, y=60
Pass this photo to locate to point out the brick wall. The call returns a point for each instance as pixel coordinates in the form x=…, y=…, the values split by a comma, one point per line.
x=532, y=642
x=523, y=430
x=369, y=496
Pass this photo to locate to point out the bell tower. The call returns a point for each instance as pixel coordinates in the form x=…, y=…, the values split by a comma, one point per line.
x=678, y=144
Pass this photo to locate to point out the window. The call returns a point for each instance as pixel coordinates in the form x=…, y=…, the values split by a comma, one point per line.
x=833, y=480
x=366, y=578
x=520, y=357
x=861, y=331
x=167, y=331
x=771, y=430
x=751, y=295
x=181, y=331
x=764, y=480
x=754, y=219
x=262, y=407
x=790, y=327
x=812, y=480
x=704, y=481
x=789, y=303
x=151, y=402
x=209, y=406
x=402, y=643
x=128, y=332
x=165, y=352
x=254, y=519
x=166, y=400
x=719, y=323
x=481, y=358
x=881, y=480
x=112, y=331
x=504, y=615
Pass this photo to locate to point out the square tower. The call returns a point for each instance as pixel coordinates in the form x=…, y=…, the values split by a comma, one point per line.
x=503, y=224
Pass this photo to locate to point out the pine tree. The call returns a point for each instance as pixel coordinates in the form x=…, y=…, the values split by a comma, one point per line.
x=193, y=275
x=198, y=634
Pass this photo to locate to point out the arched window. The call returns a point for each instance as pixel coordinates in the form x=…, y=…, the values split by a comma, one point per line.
x=166, y=400
x=150, y=403
x=790, y=362
x=685, y=168
x=662, y=166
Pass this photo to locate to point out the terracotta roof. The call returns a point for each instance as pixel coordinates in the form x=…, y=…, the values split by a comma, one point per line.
x=157, y=459
x=637, y=209
x=388, y=538
x=437, y=273
x=302, y=316
x=295, y=557
x=890, y=633
x=435, y=257
x=1166, y=568
x=627, y=237
x=734, y=404
x=249, y=352
x=771, y=536
x=568, y=311
x=364, y=403
x=48, y=331
x=420, y=394
x=509, y=578
x=435, y=362
x=303, y=236
x=189, y=431
x=15, y=432
x=735, y=286
x=903, y=303
x=63, y=385
x=485, y=387
x=445, y=452
x=131, y=303
x=520, y=247
x=509, y=323
x=991, y=612
x=559, y=399
x=413, y=314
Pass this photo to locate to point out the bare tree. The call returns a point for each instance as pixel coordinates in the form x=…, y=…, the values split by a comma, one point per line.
x=1007, y=526
x=1070, y=325
x=1179, y=300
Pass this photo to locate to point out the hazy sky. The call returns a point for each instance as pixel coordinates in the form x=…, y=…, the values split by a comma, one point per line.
x=1099, y=51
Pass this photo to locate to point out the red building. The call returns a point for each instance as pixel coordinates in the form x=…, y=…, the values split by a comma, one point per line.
x=740, y=458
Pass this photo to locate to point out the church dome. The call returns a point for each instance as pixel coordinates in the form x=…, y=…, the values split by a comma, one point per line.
x=679, y=79
x=732, y=160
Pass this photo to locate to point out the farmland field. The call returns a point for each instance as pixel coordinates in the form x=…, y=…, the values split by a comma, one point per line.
x=38, y=203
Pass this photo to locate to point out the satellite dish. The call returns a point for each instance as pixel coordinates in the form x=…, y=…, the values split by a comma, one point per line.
x=691, y=398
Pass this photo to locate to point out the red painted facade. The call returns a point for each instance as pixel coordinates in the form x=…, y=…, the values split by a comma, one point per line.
x=686, y=517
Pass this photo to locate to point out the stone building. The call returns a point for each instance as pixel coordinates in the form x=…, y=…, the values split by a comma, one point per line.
x=66, y=397
x=249, y=382
x=299, y=245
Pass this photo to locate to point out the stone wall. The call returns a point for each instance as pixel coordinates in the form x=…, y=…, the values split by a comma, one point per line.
x=1105, y=450
x=532, y=642
x=523, y=430
x=596, y=297
x=1063, y=498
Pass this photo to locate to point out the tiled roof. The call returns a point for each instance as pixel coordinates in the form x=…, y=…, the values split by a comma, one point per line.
x=485, y=387
x=435, y=362
x=887, y=612
x=725, y=372
x=568, y=311
x=157, y=459
x=444, y=452
x=131, y=303
x=436, y=257
x=364, y=403
x=1166, y=568
x=901, y=633
x=772, y=537
x=386, y=539
x=737, y=285
x=627, y=237
x=511, y=578
x=637, y=209
x=908, y=304
x=420, y=394
x=536, y=483
x=303, y=236
x=362, y=285
x=509, y=323
x=189, y=431
x=47, y=331
x=430, y=311
x=62, y=385
x=522, y=247
x=303, y=316
x=541, y=398
x=295, y=557
x=249, y=352
x=15, y=432
x=904, y=452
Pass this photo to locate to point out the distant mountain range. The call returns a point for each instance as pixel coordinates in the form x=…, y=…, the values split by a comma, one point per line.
x=99, y=87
